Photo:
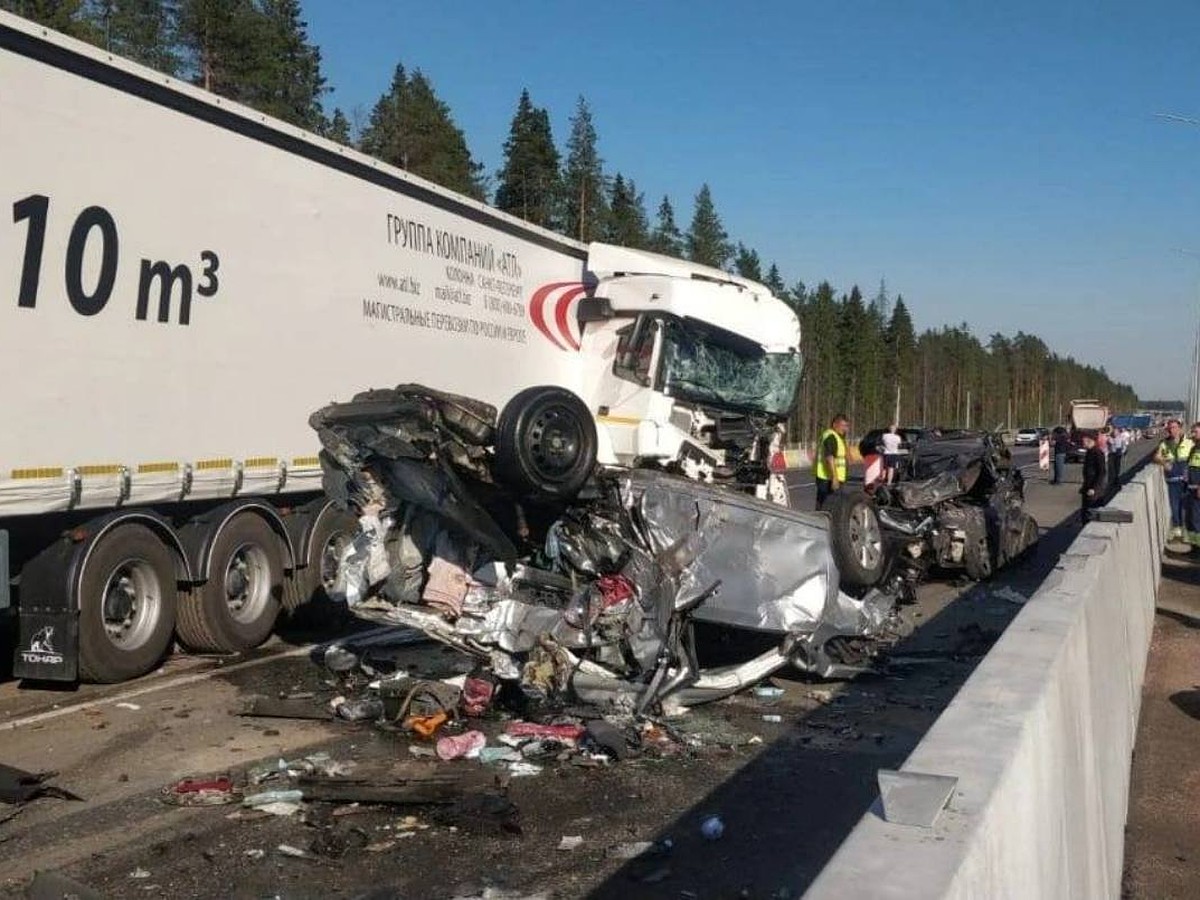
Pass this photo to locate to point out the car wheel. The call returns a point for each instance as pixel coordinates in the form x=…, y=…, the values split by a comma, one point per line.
x=546, y=443
x=856, y=538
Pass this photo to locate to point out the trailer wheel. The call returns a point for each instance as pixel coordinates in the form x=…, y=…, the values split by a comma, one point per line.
x=236, y=608
x=546, y=443
x=334, y=530
x=127, y=604
x=856, y=537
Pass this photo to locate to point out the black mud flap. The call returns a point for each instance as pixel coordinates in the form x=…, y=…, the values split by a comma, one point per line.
x=48, y=647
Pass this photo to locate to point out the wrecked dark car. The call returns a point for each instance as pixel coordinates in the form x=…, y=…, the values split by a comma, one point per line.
x=958, y=504
x=500, y=536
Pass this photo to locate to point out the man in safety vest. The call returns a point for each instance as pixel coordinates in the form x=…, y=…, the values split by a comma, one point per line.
x=1173, y=455
x=831, y=459
x=1191, y=518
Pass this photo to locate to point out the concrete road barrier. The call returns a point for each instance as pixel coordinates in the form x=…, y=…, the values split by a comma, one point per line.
x=1040, y=739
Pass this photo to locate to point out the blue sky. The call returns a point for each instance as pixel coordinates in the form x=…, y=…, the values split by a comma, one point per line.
x=997, y=163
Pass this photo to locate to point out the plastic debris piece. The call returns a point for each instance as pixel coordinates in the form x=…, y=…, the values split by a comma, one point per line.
x=262, y=799
x=135, y=708
x=463, y=746
x=492, y=755
x=712, y=828
x=139, y=872
x=630, y=850
x=477, y=695
x=200, y=792
x=280, y=808
x=772, y=718
x=381, y=846
x=570, y=842
x=768, y=693
x=295, y=852
x=255, y=853
x=426, y=726
x=417, y=750
x=533, y=730
x=358, y=710
x=523, y=770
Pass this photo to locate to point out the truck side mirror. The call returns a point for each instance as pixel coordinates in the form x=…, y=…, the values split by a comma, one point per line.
x=594, y=309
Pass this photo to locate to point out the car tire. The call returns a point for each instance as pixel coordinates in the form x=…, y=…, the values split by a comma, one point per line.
x=546, y=443
x=856, y=538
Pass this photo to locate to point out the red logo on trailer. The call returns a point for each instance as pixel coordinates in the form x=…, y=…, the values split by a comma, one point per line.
x=550, y=311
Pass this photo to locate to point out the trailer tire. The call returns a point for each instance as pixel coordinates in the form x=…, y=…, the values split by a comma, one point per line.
x=311, y=583
x=236, y=608
x=856, y=538
x=129, y=575
x=546, y=443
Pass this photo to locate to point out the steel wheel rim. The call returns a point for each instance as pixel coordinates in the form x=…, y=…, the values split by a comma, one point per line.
x=553, y=442
x=865, y=537
x=330, y=560
x=247, y=582
x=132, y=604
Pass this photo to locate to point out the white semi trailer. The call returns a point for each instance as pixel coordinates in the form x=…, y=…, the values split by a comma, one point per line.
x=186, y=280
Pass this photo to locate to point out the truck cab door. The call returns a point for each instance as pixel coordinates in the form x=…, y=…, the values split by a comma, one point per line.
x=627, y=398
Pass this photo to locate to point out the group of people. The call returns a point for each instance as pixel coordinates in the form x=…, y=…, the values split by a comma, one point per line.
x=1179, y=455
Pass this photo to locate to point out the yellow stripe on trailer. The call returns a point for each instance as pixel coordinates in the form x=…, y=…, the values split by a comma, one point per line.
x=105, y=469
x=306, y=461
x=207, y=465
x=261, y=462
x=42, y=472
x=154, y=467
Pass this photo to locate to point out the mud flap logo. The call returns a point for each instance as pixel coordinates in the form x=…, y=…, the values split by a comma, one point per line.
x=41, y=649
x=550, y=311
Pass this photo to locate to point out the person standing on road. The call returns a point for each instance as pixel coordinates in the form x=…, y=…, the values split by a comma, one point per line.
x=831, y=459
x=891, y=453
x=1118, y=444
x=1173, y=455
x=1094, y=469
x=1062, y=446
x=1191, y=517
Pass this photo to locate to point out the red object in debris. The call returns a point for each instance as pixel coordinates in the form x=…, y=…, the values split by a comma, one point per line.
x=533, y=730
x=615, y=589
x=466, y=745
x=195, y=785
x=477, y=695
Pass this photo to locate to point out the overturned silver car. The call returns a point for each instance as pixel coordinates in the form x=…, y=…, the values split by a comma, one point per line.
x=499, y=536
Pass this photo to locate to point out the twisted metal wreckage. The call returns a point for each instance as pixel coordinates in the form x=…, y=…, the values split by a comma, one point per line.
x=594, y=591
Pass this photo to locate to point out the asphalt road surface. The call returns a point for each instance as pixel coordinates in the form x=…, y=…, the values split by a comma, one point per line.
x=786, y=791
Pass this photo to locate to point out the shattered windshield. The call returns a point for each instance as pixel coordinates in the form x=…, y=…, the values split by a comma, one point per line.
x=710, y=365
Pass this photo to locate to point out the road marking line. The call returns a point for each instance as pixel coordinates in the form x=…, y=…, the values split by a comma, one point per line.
x=172, y=681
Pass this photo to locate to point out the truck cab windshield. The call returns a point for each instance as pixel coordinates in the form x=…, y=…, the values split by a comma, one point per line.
x=709, y=365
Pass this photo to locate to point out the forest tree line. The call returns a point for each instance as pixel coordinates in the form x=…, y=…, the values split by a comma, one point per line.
x=862, y=357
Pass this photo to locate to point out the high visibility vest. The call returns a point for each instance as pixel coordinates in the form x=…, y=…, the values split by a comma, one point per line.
x=839, y=461
x=1177, y=458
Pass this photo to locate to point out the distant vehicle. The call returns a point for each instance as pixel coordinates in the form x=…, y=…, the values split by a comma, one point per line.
x=1027, y=436
x=1086, y=415
x=872, y=441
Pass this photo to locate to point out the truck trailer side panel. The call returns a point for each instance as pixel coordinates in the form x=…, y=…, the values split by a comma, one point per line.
x=186, y=281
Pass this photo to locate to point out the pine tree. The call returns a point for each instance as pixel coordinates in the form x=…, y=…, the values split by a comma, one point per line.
x=774, y=281
x=140, y=30
x=529, y=178
x=584, y=208
x=627, y=215
x=707, y=242
x=747, y=264
x=224, y=46
x=66, y=16
x=337, y=128
x=666, y=237
x=289, y=80
x=901, y=344
x=411, y=128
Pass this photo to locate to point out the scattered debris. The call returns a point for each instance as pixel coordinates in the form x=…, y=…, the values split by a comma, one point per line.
x=267, y=797
x=523, y=769
x=19, y=786
x=569, y=732
x=436, y=789
x=570, y=842
x=357, y=710
x=712, y=827
x=200, y=792
x=130, y=706
x=768, y=693
x=772, y=718
x=286, y=708
x=463, y=746
x=139, y=873
x=294, y=852
x=255, y=853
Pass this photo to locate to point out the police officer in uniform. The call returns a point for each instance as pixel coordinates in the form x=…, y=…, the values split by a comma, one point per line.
x=831, y=459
